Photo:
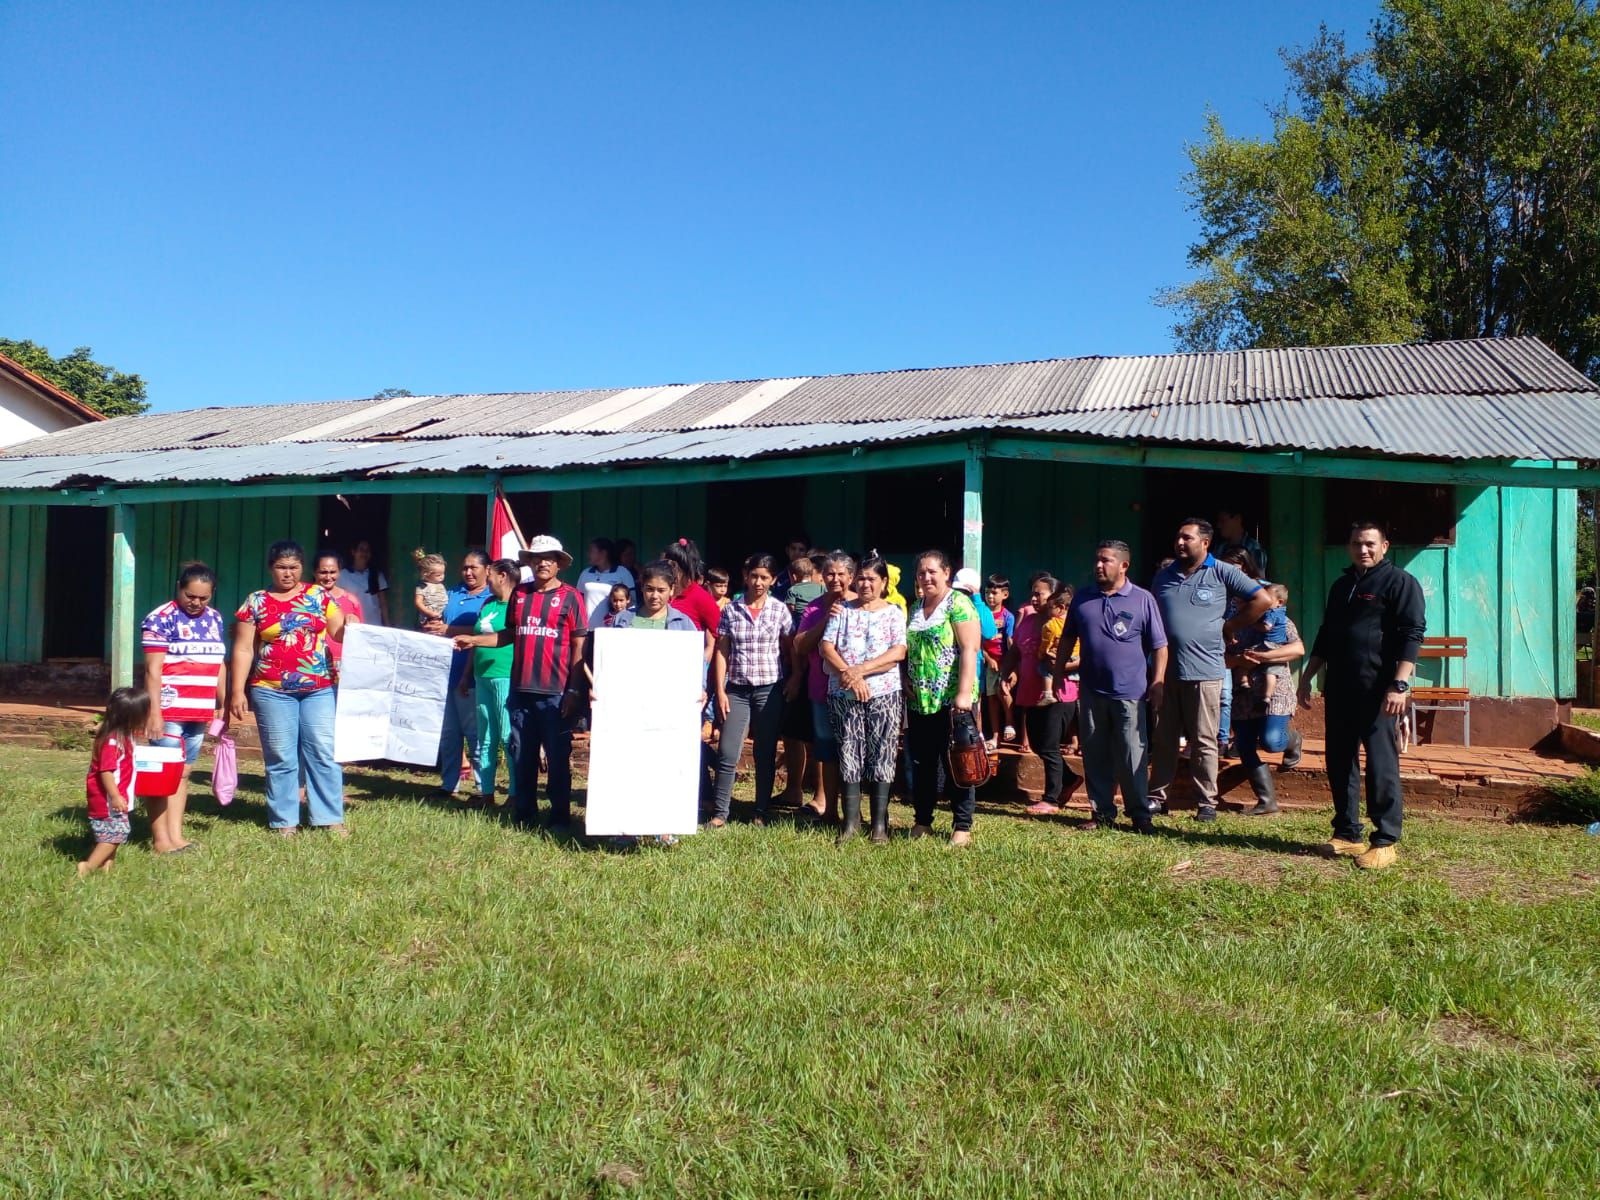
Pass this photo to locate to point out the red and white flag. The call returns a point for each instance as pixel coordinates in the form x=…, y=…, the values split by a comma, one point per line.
x=505, y=536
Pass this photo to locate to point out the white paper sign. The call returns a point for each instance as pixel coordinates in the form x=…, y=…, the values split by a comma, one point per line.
x=392, y=685
x=644, y=736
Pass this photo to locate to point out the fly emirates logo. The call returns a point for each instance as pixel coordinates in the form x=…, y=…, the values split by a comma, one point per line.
x=532, y=626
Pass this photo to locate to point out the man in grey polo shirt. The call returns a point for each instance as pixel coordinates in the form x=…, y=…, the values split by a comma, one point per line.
x=1193, y=594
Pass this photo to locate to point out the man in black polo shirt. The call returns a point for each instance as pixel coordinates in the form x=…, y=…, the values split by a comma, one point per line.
x=1371, y=632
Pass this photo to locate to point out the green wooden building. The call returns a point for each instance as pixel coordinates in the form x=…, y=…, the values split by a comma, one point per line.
x=1470, y=451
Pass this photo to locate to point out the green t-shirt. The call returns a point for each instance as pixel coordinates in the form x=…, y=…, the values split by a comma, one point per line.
x=800, y=595
x=932, y=660
x=496, y=663
x=640, y=621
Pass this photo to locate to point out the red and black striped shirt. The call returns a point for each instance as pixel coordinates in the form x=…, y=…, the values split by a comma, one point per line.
x=546, y=625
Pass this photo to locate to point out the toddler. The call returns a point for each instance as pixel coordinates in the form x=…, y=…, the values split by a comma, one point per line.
x=620, y=600
x=1050, y=641
x=109, y=784
x=1271, y=630
x=431, y=595
x=717, y=584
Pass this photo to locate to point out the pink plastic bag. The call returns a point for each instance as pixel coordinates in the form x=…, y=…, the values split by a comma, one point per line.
x=225, y=772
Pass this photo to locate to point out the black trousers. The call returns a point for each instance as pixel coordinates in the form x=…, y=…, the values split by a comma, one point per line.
x=928, y=739
x=1047, y=729
x=1356, y=722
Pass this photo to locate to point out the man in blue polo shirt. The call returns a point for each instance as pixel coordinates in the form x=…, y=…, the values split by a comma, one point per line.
x=1193, y=593
x=461, y=609
x=1123, y=651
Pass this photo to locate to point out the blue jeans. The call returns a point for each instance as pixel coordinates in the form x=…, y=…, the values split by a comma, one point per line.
x=460, y=726
x=823, y=746
x=1260, y=733
x=536, y=722
x=1226, y=715
x=188, y=734
x=494, y=731
x=758, y=709
x=297, y=728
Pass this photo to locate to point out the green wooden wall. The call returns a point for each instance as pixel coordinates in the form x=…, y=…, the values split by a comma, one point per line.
x=22, y=534
x=1050, y=516
x=438, y=524
x=651, y=516
x=231, y=536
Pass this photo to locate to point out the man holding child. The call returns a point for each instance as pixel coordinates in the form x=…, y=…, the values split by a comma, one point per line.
x=1193, y=593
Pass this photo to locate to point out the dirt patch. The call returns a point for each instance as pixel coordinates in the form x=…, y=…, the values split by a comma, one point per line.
x=1261, y=870
x=620, y=1174
x=1477, y=882
x=1466, y=1032
x=422, y=953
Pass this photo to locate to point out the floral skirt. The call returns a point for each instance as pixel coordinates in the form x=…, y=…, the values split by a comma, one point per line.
x=111, y=830
x=868, y=735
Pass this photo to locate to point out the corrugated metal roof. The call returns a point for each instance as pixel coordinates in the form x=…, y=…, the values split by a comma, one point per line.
x=1489, y=399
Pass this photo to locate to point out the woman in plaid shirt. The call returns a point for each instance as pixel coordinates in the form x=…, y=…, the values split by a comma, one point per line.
x=753, y=642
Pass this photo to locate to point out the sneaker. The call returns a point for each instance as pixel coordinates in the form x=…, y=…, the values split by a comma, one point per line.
x=1146, y=827
x=1158, y=808
x=1095, y=823
x=920, y=831
x=1205, y=813
x=1010, y=733
x=1377, y=858
x=1043, y=808
x=1340, y=848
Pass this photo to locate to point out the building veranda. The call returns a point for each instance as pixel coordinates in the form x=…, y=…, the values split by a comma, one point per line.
x=1471, y=451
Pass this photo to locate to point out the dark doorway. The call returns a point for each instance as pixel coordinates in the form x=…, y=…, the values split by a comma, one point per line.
x=1170, y=496
x=908, y=512
x=76, y=559
x=746, y=517
x=342, y=521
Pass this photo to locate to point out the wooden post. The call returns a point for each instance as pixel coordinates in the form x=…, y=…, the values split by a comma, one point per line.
x=1594, y=636
x=972, y=510
x=123, y=618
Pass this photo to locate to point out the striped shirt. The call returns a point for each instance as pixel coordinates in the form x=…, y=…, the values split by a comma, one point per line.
x=546, y=625
x=755, y=656
x=195, y=653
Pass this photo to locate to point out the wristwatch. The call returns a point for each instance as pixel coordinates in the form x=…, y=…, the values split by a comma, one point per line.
x=1400, y=685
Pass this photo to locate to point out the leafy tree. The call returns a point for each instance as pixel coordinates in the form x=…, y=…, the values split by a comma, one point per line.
x=1442, y=183
x=104, y=389
x=391, y=394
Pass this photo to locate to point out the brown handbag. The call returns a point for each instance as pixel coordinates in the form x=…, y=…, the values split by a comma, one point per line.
x=969, y=757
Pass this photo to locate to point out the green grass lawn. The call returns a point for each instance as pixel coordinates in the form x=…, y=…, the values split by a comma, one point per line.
x=441, y=1006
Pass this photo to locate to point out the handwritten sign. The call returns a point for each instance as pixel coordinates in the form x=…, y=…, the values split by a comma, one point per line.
x=392, y=685
x=644, y=736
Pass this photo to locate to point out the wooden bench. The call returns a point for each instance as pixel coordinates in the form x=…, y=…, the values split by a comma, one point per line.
x=1443, y=697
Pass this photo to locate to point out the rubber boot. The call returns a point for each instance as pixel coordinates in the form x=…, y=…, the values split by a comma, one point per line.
x=851, y=798
x=1261, y=784
x=1292, y=752
x=880, y=812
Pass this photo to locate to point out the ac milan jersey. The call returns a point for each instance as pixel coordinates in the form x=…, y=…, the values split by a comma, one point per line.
x=546, y=624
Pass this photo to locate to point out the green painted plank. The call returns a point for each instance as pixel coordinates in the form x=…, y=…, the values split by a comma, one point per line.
x=1565, y=566
x=16, y=565
x=1474, y=597
x=32, y=617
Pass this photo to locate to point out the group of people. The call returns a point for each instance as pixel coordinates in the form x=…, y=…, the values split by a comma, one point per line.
x=820, y=651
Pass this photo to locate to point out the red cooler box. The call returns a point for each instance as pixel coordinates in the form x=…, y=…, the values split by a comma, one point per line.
x=157, y=770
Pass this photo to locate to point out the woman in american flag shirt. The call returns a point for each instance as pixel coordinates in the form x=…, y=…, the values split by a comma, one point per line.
x=185, y=652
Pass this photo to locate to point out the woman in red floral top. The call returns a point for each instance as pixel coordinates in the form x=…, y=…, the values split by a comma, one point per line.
x=280, y=654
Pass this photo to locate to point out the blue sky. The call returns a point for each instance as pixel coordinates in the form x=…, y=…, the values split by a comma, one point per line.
x=251, y=204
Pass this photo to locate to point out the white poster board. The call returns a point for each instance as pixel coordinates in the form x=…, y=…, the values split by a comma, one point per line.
x=392, y=685
x=644, y=735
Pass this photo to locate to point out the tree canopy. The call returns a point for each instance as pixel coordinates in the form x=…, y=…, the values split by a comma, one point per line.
x=1441, y=182
x=104, y=389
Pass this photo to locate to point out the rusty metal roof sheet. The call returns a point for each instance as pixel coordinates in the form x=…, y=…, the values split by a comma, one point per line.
x=1511, y=398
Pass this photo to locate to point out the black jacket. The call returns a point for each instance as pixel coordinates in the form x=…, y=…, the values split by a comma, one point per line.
x=1373, y=623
